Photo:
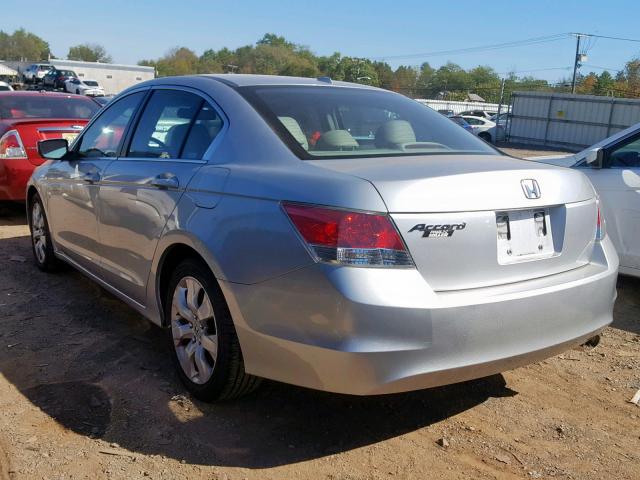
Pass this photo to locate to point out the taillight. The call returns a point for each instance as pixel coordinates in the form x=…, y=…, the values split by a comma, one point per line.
x=11, y=146
x=600, y=225
x=349, y=238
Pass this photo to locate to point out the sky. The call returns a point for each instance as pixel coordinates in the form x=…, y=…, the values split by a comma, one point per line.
x=132, y=30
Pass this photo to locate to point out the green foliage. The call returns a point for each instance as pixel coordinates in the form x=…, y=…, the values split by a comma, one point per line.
x=88, y=52
x=23, y=45
x=275, y=55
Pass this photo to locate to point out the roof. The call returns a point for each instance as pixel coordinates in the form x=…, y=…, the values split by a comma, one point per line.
x=34, y=93
x=71, y=64
x=10, y=72
x=246, y=80
x=474, y=97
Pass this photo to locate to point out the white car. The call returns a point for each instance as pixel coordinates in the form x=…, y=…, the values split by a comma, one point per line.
x=87, y=87
x=478, y=113
x=485, y=128
x=613, y=166
x=36, y=72
x=5, y=87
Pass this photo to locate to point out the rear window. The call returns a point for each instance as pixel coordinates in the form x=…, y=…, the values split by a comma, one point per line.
x=46, y=106
x=91, y=83
x=342, y=122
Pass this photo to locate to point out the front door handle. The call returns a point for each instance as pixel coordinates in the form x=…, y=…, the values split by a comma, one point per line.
x=165, y=180
x=91, y=177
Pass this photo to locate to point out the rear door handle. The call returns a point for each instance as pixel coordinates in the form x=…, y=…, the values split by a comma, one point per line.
x=91, y=177
x=165, y=180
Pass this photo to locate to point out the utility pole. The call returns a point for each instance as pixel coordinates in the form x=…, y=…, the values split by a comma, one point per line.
x=501, y=98
x=576, y=62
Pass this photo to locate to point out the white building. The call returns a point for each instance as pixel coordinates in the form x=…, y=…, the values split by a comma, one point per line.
x=112, y=77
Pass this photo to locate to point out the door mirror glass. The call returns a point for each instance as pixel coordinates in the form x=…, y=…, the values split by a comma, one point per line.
x=53, y=149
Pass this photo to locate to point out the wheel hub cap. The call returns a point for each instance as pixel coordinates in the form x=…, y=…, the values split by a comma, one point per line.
x=194, y=330
x=38, y=233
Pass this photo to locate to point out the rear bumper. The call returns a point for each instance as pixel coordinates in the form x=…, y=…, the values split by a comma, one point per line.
x=372, y=331
x=14, y=175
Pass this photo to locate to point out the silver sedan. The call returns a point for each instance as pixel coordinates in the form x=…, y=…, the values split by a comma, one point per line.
x=324, y=234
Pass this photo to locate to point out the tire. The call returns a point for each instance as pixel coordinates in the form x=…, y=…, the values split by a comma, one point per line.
x=77, y=92
x=204, y=344
x=485, y=136
x=41, y=244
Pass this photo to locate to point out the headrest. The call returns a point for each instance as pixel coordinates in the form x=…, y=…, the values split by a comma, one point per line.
x=337, y=140
x=395, y=133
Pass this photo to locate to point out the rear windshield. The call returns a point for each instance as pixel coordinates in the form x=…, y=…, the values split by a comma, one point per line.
x=44, y=106
x=91, y=83
x=343, y=122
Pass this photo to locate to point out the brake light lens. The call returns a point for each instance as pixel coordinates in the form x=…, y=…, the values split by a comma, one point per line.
x=600, y=225
x=349, y=238
x=11, y=147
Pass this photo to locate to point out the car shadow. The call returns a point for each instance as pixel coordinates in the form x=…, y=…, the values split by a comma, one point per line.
x=95, y=366
x=12, y=214
x=626, y=313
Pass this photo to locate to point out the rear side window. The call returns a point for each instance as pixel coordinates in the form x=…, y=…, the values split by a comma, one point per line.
x=174, y=124
x=46, y=106
x=103, y=137
x=205, y=128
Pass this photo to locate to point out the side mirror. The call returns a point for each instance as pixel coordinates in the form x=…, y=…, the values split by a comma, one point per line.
x=595, y=158
x=53, y=149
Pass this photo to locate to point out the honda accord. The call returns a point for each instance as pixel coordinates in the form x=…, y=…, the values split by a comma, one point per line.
x=321, y=233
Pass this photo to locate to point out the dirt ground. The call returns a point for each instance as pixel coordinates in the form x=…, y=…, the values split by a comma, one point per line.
x=87, y=390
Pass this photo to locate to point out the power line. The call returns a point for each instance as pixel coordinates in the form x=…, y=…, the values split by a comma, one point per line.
x=635, y=40
x=496, y=46
x=605, y=68
x=534, y=70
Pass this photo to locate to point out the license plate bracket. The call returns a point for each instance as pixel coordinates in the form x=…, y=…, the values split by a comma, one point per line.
x=524, y=235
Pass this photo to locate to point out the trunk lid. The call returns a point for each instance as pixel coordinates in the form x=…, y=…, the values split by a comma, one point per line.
x=467, y=220
x=33, y=130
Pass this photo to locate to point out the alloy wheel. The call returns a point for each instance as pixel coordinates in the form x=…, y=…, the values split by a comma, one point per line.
x=38, y=233
x=193, y=329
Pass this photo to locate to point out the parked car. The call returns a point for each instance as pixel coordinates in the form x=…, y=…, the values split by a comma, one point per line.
x=485, y=129
x=501, y=119
x=26, y=118
x=55, y=78
x=446, y=112
x=103, y=100
x=271, y=243
x=5, y=87
x=34, y=73
x=479, y=113
x=462, y=122
x=88, y=87
x=613, y=166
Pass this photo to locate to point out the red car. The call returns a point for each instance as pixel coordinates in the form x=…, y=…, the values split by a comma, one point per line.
x=25, y=119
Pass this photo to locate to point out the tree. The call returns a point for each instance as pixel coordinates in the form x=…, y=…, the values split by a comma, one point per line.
x=209, y=63
x=405, y=80
x=88, y=52
x=604, y=84
x=385, y=74
x=23, y=45
x=424, y=83
x=587, y=84
x=178, y=61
